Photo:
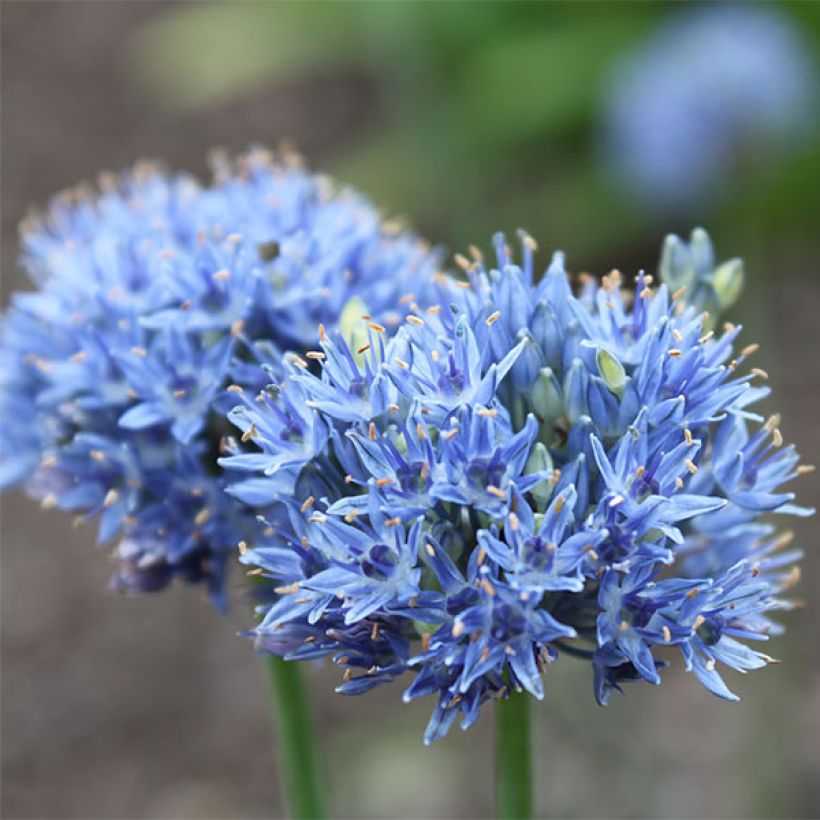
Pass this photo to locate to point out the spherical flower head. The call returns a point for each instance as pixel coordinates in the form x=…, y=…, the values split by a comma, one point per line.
x=712, y=86
x=524, y=469
x=156, y=297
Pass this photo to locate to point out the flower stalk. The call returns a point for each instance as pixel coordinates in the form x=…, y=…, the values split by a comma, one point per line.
x=513, y=765
x=297, y=751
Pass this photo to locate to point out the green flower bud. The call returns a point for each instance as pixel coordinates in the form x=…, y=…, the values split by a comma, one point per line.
x=545, y=396
x=353, y=327
x=540, y=460
x=728, y=282
x=676, y=267
x=611, y=370
x=702, y=252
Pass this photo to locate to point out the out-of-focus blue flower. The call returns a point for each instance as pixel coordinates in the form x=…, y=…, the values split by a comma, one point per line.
x=713, y=88
x=524, y=469
x=156, y=297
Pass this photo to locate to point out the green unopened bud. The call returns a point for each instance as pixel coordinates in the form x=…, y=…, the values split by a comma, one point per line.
x=676, y=268
x=353, y=326
x=611, y=370
x=546, y=397
x=702, y=252
x=728, y=282
x=540, y=461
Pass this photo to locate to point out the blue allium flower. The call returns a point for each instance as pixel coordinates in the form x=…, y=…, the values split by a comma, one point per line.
x=713, y=87
x=524, y=469
x=155, y=298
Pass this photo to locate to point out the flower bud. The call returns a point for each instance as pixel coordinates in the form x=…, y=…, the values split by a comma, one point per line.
x=545, y=395
x=728, y=282
x=611, y=370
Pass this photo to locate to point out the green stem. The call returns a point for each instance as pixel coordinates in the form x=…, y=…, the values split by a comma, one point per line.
x=297, y=753
x=513, y=763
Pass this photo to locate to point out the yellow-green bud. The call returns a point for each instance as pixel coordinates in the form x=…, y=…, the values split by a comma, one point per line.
x=728, y=282
x=611, y=370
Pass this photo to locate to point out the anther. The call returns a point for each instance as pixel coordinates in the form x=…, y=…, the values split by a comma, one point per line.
x=462, y=261
x=315, y=354
x=667, y=635
x=496, y=491
x=487, y=586
x=202, y=516
x=363, y=349
x=493, y=318
x=415, y=320
x=307, y=504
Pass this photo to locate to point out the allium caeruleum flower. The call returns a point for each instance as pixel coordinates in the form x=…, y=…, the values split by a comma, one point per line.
x=154, y=294
x=713, y=86
x=524, y=469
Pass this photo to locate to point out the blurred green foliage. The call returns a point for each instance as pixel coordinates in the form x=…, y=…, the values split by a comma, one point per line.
x=486, y=113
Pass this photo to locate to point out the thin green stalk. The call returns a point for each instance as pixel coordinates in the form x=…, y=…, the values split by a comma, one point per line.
x=513, y=762
x=297, y=753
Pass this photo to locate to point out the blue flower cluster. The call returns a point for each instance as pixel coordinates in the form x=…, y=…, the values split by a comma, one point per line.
x=523, y=469
x=155, y=297
x=711, y=90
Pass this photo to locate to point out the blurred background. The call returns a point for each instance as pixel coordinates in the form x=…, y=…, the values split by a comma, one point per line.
x=598, y=127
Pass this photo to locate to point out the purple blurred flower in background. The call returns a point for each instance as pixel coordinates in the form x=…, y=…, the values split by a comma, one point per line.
x=712, y=87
